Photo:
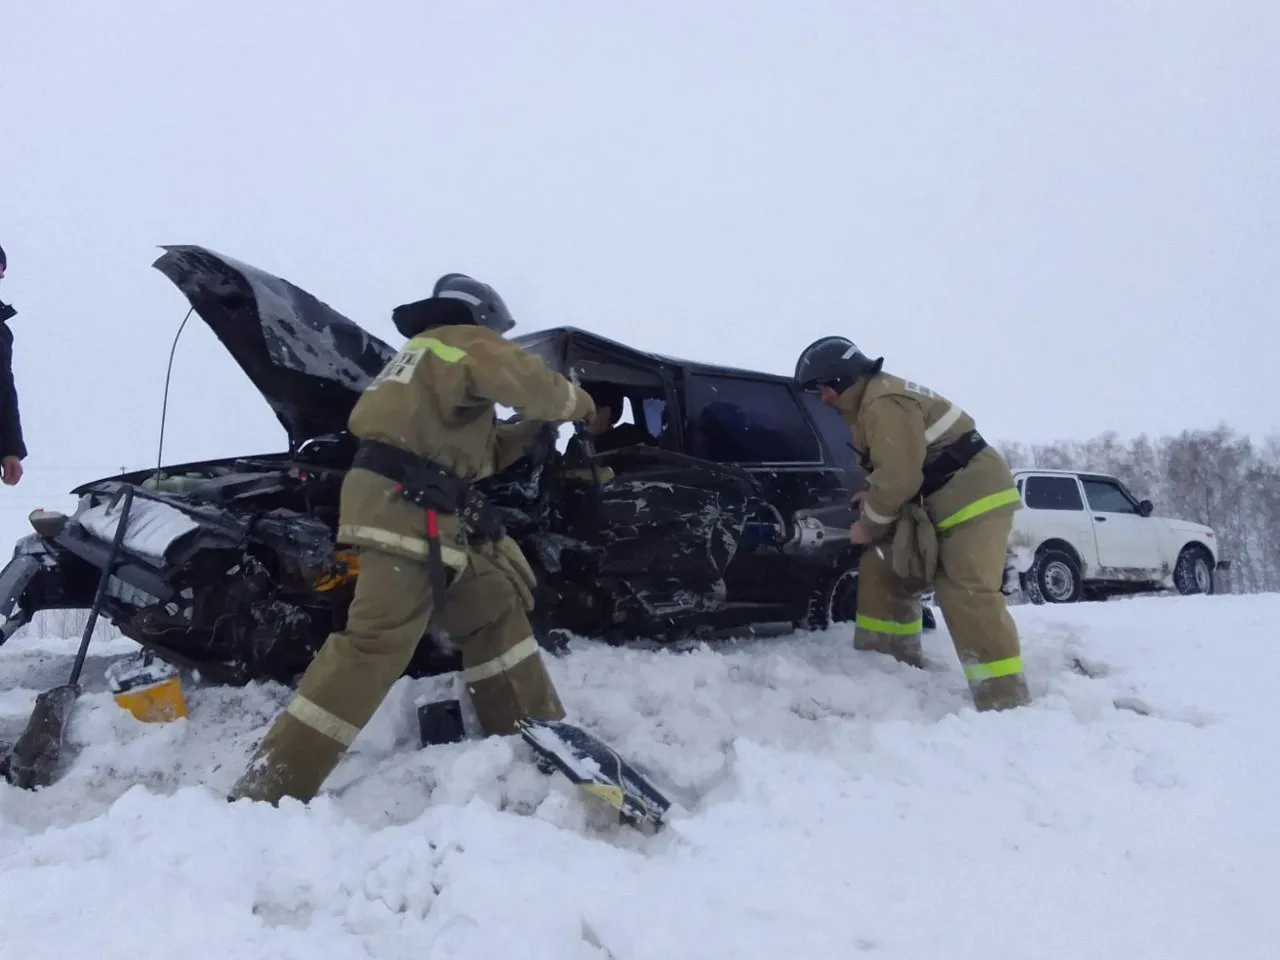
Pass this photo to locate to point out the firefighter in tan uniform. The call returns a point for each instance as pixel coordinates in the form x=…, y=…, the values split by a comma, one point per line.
x=938, y=494
x=428, y=544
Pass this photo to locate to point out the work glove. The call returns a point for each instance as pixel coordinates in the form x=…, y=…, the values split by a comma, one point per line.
x=586, y=408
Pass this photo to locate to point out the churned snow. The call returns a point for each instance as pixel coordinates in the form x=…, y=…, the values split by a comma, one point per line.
x=834, y=804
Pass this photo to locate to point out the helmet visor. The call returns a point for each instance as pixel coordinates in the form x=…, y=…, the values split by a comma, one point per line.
x=824, y=361
x=489, y=311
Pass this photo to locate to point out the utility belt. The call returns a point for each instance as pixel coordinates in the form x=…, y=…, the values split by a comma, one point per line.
x=954, y=457
x=428, y=485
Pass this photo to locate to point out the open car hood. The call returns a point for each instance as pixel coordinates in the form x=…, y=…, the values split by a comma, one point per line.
x=308, y=361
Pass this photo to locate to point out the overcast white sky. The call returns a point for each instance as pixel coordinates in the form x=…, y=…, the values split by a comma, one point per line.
x=1063, y=215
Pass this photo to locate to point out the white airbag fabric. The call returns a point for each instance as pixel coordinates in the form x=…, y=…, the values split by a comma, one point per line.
x=152, y=528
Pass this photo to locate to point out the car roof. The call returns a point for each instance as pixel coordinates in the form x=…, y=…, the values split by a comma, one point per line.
x=1082, y=474
x=577, y=334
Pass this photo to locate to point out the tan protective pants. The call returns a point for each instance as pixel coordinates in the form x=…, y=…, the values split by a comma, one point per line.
x=352, y=673
x=971, y=560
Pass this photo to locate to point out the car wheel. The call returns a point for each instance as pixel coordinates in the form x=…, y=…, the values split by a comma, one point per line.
x=836, y=601
x=1194, y=572
x=1055, y=577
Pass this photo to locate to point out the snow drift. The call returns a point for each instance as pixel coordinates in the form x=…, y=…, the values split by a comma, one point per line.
x=835, y=804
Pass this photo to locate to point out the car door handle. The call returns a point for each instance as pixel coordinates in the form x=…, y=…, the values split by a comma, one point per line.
x=1100, y=519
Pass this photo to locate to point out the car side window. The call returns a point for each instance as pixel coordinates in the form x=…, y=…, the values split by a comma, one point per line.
x=1107, y=497
x=738, y=420
x=1053, y=493
x=835, y=432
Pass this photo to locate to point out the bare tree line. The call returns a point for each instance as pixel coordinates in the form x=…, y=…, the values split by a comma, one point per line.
x=1216, y=477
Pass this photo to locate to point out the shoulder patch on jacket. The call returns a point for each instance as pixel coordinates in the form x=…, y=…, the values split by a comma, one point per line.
x=919, y=389
x=401, y=367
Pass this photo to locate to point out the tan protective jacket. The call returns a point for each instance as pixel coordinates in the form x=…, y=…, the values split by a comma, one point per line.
x=898, y=427
x=436, y=399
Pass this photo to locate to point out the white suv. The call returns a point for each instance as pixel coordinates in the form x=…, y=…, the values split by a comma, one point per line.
x=1084, y=536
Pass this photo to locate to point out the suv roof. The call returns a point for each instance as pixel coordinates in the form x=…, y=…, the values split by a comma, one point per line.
x=563, y=343
x=1079, y=474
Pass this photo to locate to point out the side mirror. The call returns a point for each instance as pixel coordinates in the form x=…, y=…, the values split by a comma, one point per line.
x=1145, y=508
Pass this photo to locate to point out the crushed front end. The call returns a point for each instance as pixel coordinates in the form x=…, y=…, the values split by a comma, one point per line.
x=234, y=592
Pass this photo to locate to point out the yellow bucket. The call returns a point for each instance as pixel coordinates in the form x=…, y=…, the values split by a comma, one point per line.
x=150, y=690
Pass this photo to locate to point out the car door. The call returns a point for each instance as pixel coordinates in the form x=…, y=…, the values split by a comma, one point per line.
x=1126, y=540
x=759, y=424
x=1056, y=510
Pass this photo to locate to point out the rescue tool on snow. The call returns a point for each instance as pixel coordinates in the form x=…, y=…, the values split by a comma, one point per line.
x=33, y=759
x=597, y=769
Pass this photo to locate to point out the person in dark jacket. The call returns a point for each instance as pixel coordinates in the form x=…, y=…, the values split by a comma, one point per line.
x=12, y=448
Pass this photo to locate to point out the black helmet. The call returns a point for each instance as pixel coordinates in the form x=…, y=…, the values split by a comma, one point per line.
x=487, y=308
x=835, y=362
x=456, y=299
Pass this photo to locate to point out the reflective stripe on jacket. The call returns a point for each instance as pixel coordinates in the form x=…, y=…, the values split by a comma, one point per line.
x=436, y=399
x=899, y=427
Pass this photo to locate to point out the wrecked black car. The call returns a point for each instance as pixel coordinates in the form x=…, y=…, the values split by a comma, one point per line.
x=723, y=506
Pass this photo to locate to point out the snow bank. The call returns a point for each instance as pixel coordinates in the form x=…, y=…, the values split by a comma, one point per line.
x=835, y=804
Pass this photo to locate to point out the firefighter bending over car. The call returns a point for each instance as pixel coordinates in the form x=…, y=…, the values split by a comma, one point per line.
x=428, y=544
x=948, y=499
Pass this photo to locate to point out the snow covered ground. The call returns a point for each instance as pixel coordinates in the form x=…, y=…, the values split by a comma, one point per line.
x=836, y=804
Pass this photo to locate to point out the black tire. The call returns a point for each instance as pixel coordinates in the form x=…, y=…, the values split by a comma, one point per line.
x=836, y=601
x=1193, y=573
x=1055, y=577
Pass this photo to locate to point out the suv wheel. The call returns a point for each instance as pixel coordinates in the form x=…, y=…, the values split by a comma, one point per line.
x=1194, y=573
x=836, y=601
x=1055, y=577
